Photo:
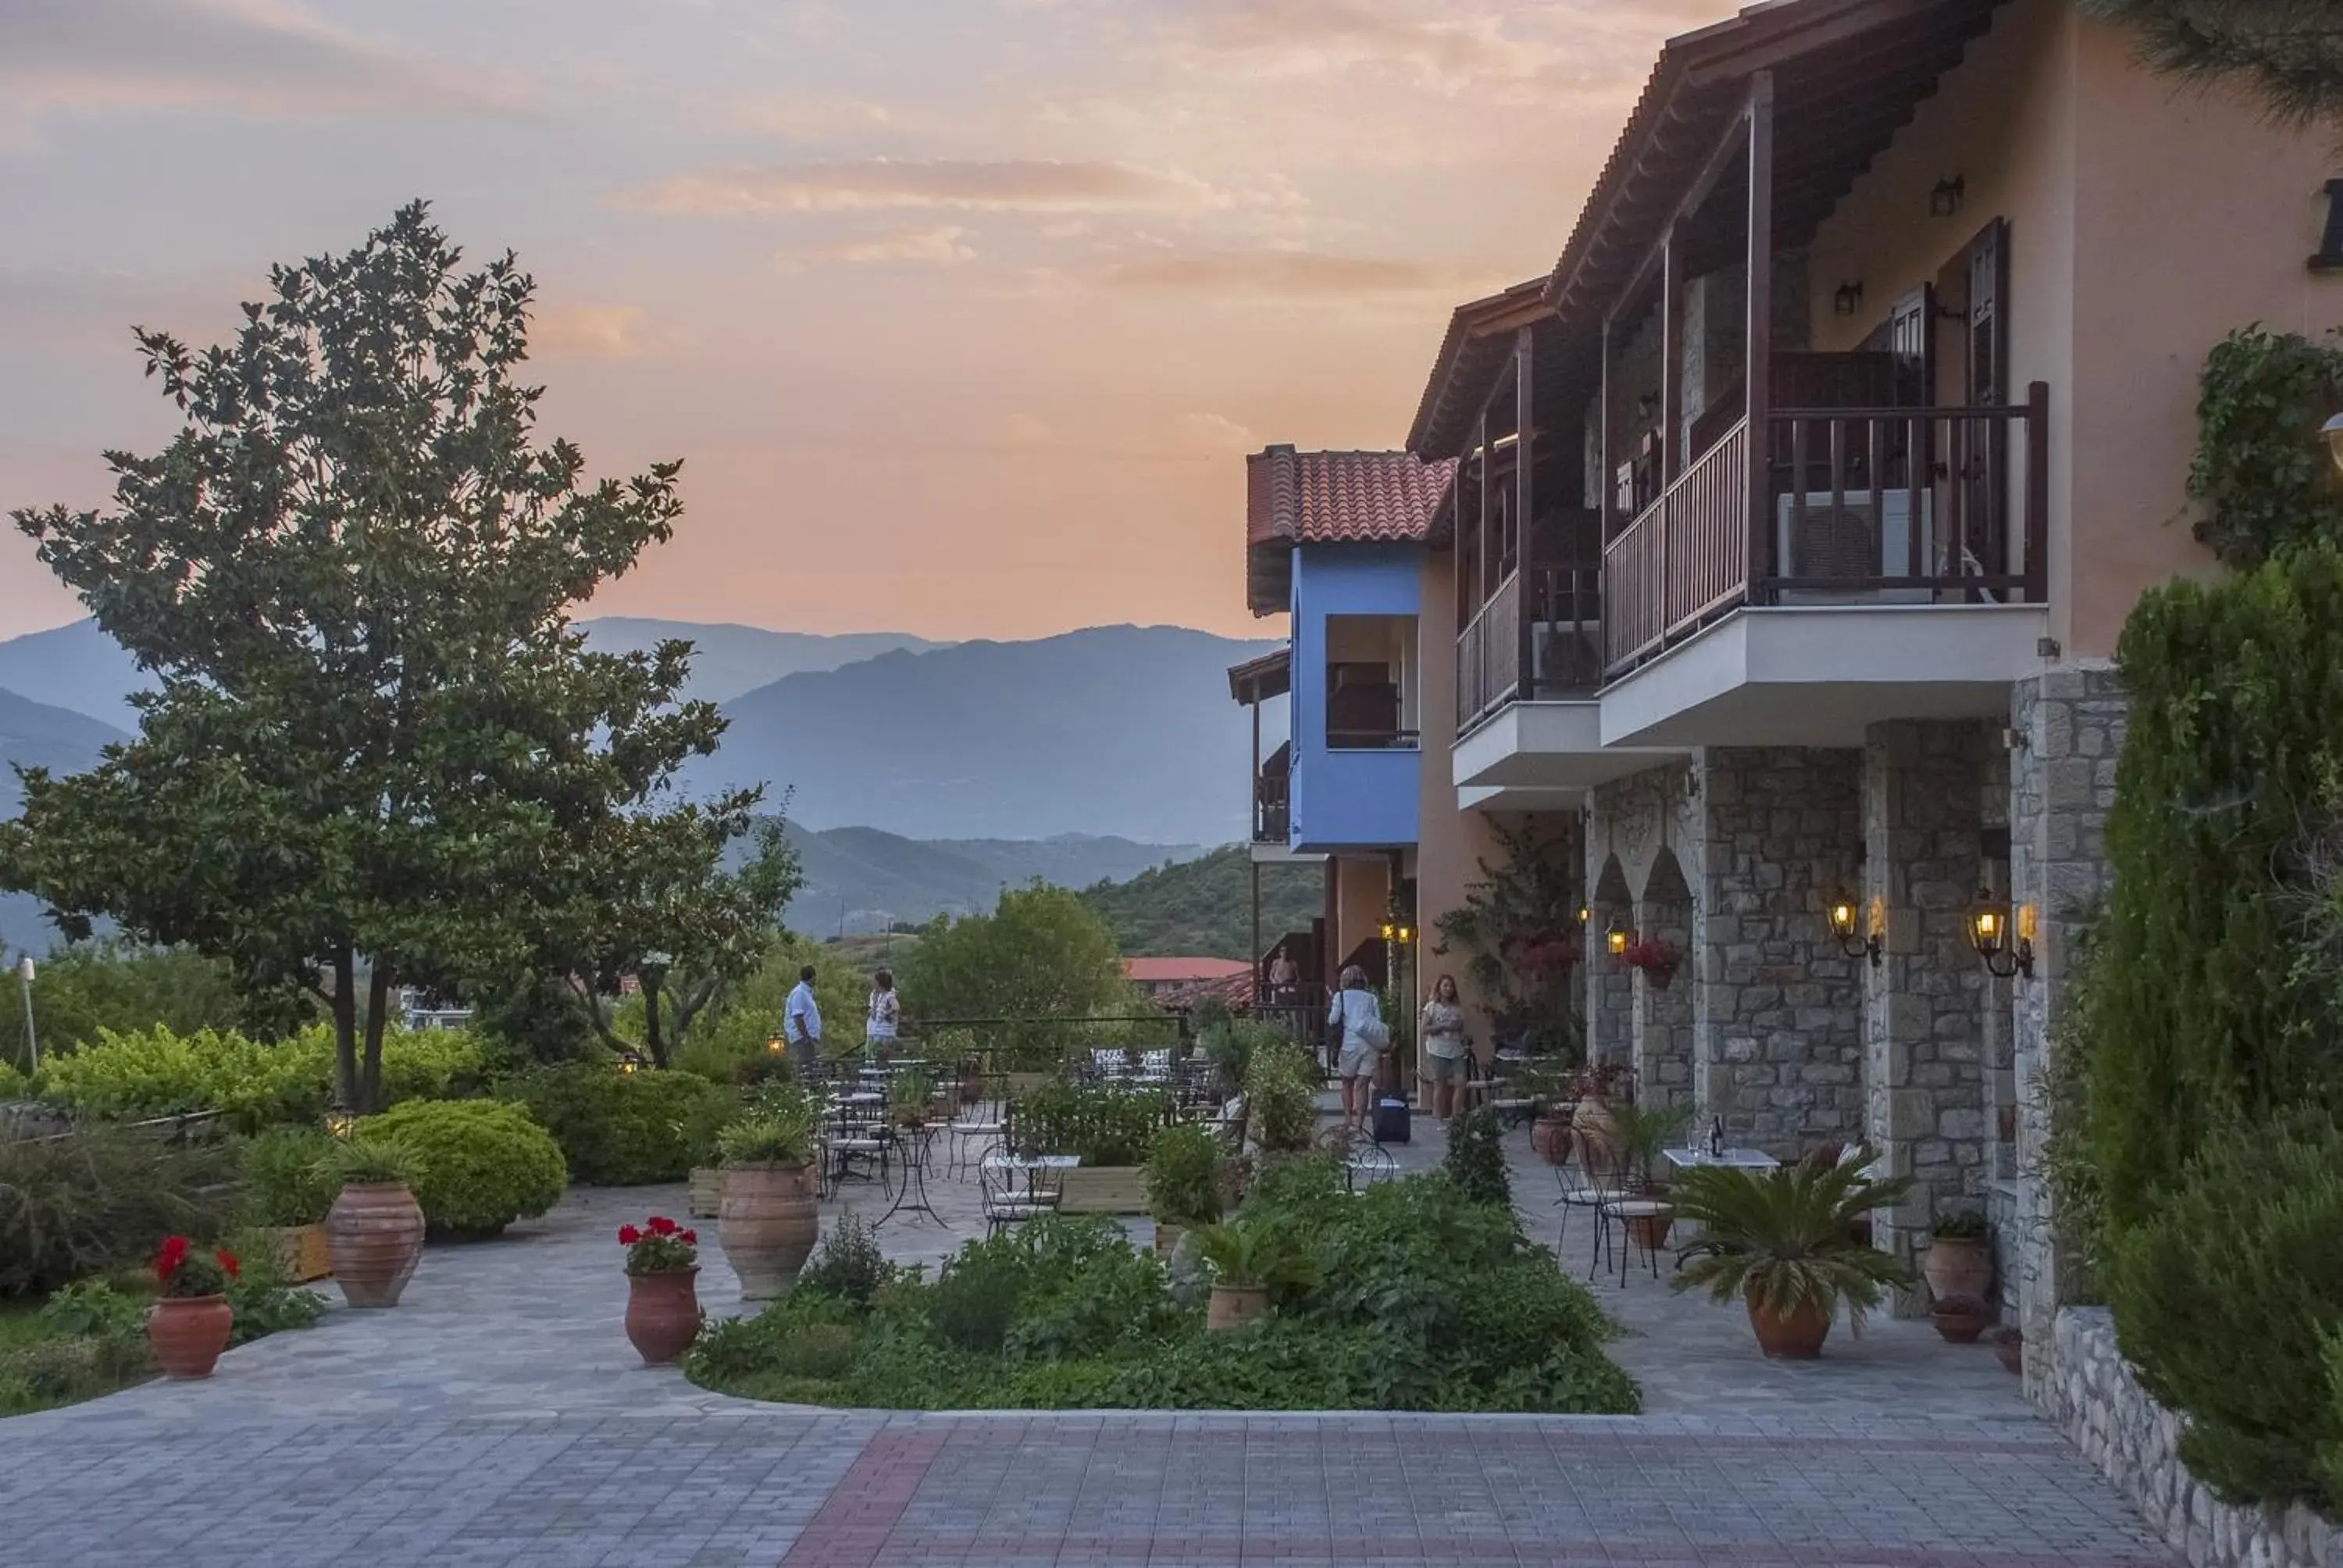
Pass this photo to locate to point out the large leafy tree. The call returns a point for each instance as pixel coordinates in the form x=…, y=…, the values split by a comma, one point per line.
x=379, y=752
x=1042, y=953
x=2290, y=53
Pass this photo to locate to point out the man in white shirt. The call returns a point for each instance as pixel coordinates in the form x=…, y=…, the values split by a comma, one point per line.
x=801, y=1024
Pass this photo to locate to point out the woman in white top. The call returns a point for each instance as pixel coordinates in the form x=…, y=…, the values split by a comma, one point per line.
x=1359, y=1018
x=883, y=1014
x=1443, y=1045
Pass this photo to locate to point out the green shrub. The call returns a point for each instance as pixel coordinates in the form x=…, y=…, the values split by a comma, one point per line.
x=287, y=1174
x=625, y=1129
x=848, y=1264
x=2203, y=1010
x=263, y=1303
x=140, y=1075
x=1104, y=1124
x=14, y=1085
x=975, y=1294
x=2226, y=1301
x=1281, y=1098
x=1476, y=1160
x=479, y=1164
x=779, y=1128
x=1184, y=1175
x=102, y=1199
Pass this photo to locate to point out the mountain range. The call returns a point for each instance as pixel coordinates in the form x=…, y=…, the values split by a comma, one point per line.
x=919, y=780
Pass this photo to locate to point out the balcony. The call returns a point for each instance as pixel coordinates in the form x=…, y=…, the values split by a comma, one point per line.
x=1538, y=638
x=1273, y=816
x=1857, y=507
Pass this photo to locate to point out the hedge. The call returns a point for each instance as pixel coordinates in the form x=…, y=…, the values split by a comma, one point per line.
x=480, y=1164
x=622, y=1130
x=130, y=1077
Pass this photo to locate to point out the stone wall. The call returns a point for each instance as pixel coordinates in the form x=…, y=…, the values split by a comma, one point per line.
x=1777, y=1012
x=2093, y=1394
x=2067, y=725
x=1928, y=1082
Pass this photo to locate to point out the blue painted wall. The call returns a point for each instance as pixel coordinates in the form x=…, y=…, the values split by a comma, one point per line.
x=1348, y=800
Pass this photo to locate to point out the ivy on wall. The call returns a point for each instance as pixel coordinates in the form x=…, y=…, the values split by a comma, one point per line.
x=2262, y=470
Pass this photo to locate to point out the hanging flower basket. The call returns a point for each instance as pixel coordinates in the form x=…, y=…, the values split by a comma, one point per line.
x=1656, y=959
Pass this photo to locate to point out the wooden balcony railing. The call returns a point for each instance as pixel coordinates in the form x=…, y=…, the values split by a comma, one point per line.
x=1563, y=607
x=1272, y=787
x=1883, y=505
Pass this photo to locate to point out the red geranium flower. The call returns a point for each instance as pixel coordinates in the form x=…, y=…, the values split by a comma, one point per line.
x=628, y=1235
x=169, y=1256
x=691, y=1238
x=662, y=1226
x=226, y=1261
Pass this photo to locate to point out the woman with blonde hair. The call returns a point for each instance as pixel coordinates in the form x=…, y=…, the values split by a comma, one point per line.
x=1445, y=1052
x=1361, y=1035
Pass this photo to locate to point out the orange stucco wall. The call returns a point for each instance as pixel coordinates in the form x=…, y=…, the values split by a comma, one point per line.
x=2147, y=219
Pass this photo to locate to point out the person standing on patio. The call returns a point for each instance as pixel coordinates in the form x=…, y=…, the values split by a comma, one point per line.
x=801, y=1025
x=884, y=1014
x=1445, y=1052
x=1284, y=978
x=1358, y=1018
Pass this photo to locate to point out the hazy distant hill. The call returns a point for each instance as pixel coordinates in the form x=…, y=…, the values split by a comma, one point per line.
x=728, y=660
x=80, y=668
x=35, y=735
x=862, y=879
x=1113, y=730
x=1204, y=905
x=75, y=667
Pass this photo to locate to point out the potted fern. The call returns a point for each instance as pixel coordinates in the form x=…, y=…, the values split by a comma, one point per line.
x=1248, y=1259
x=1780, y=1241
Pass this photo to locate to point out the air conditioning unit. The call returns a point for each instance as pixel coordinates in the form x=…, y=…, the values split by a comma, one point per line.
x=1858, y=534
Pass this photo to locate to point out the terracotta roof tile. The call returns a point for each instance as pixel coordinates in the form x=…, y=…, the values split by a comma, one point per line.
x=1164, y=970
x=1341, y=498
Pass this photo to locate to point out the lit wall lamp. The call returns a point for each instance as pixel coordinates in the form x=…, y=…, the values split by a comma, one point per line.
x=1946, y=198
x=2005, y=953
x=1398, y=931
x=339, y=1123
x=2333, y=431
x=1616, y=938
x=1848, y=299
x=1845, y=917
x=1585, y=916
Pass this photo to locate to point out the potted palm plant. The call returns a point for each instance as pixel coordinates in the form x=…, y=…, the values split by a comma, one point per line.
x=1640, y=1137
x=1248, y=1259
x=767, y=1221
x=1780, y=1241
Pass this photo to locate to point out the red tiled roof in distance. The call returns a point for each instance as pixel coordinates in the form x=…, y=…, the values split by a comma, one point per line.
x=1181, y=970
x=1341, y=498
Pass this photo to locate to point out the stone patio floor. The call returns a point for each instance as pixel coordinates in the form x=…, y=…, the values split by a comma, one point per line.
x=499, y=1417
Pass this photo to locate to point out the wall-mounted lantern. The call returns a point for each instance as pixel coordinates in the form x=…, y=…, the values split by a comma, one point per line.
x=1848, y=299
x=1845, y=924
x=1616, y=938
x=1945, y=199
x=2004, y=952
x=1398, y=931
x=1585, y=916
x=2333, y=431
x=629, y=1062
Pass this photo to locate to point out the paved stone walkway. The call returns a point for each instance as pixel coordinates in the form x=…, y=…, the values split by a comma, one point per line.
x=498, y=1417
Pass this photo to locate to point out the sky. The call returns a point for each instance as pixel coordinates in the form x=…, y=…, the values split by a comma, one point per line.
x=961, y=314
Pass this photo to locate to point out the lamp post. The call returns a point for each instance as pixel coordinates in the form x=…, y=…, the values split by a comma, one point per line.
x=32, y=1036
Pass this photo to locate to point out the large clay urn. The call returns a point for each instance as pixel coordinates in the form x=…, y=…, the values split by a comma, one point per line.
x=663, y=1313
x=1234, y=1307
x=1958, y=1266
x=1796, y=1336
x=1550, y=1134
x=374, y=1236
x=188, y=1333
x=1597, y=1135
x=768, y=1224
x=707, y=1200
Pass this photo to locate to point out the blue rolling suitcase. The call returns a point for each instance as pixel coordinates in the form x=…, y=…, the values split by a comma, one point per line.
x=1391, y=1118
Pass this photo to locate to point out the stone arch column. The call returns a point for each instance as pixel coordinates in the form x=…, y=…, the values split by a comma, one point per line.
x=1610, y=995
x=1661, y=1016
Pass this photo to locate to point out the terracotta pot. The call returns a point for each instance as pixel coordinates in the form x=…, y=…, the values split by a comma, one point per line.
x=2010, y=1349
x=768, y=1224
x=188, y=1333
x=663, y=1313
x=706, y=1192
x=1235, y=1306
x=1650, y=1232
x=1798, y=1336
x=1958, y=1266
x=374, y=1236
x=1597, y=1134
x=1167, y=1238
x=301, y=1255
x=1550, y=1134
x=1959, y=1325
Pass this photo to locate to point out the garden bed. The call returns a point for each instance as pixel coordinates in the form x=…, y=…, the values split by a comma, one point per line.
x=1411, y=1296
